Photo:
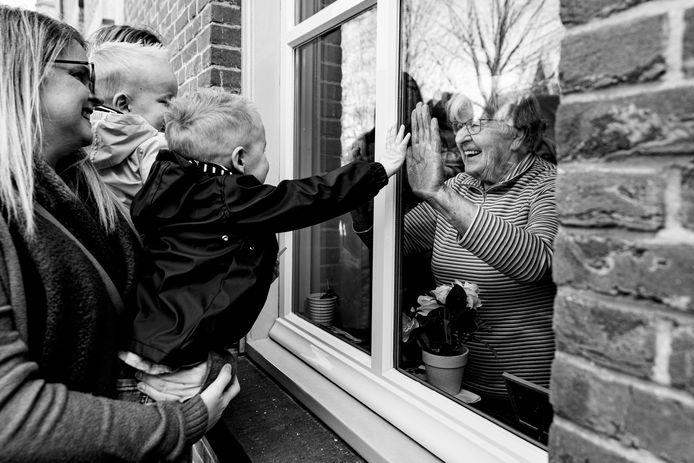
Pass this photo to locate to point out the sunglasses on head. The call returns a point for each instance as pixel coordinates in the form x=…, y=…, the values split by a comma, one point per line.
x=92, y=75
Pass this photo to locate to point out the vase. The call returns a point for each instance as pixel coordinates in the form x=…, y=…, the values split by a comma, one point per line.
x=321, y=310
x=445, y=371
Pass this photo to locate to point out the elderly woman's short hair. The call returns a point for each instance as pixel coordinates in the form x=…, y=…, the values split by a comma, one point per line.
x=208, y=124
x=459, y=108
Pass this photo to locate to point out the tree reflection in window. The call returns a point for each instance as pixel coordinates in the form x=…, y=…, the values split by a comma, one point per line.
x=466, y=59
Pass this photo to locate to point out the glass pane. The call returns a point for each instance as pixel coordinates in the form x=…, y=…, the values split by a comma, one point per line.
x=335, y=101
x=476, y=64
x=307, y=8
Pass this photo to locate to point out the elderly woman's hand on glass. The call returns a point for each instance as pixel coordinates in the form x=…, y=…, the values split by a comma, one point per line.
x=425, y=170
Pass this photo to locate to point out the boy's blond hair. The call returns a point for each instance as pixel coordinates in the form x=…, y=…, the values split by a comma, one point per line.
x=208, y=124
x=122, y=65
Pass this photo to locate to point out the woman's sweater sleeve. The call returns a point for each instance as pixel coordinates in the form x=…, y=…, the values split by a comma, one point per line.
x=41, y=421
x=521, y=253
x=420, y=229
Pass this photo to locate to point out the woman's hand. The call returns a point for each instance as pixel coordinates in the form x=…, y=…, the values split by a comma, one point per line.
x=179, y=385
x=218, y=395
x=424, y=163
x=396, y=149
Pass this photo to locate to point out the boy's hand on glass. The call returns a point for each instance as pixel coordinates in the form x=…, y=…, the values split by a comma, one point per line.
x=396, y=149
x=176, y=386
x=218, y=395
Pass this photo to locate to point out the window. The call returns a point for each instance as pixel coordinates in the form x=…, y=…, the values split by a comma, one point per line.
x=465, y=60
x=307, y=8
x=335, y=108
x=330, y=78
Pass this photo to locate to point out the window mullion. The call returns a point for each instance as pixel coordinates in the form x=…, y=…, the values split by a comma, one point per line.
x=384, y=236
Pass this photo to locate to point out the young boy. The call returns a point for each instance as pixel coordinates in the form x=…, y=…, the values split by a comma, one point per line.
x=135, y=82
x=209, y=224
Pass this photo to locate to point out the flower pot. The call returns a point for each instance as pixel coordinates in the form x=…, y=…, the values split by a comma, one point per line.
x=445, y=371
x=321, y=310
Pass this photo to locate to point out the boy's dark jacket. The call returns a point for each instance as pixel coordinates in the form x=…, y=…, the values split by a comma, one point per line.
x=211, y=246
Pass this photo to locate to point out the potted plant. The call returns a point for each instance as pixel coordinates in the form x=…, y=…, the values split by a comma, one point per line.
x=444, y=321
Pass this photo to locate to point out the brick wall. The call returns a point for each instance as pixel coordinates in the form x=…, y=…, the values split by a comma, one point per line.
x=204, y=38
x=623, y=378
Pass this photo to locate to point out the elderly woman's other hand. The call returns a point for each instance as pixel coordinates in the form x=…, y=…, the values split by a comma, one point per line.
x=424, y=164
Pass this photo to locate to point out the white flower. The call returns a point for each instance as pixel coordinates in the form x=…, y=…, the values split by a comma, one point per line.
x=426, y=304
x=441, y=293
x=473, y=294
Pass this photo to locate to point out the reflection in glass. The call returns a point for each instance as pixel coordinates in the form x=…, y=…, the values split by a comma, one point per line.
x=474, y=63
x=335, y=110
x=307, y=8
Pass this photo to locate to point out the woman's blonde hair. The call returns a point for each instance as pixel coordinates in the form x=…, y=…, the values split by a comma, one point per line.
x=31, y=42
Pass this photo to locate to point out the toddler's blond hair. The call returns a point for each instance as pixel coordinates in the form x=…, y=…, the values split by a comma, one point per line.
x=208, y=124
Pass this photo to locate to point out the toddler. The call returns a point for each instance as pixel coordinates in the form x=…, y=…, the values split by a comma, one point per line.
x=135, y=82
x=208, y=224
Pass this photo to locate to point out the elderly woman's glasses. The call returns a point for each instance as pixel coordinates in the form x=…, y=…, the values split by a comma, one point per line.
x=473, y=126
x=92, y=76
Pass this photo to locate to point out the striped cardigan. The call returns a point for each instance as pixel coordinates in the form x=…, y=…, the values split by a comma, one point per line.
x=507, y=251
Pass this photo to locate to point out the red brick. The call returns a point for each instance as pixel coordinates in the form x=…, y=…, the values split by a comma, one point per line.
x=222, y=14
x=587, y=398
x=330, y=127
x=636, y=414
x=619, y=335
x=635, y=54
x=682, y=358
x=190, y=70
x=181, y=22
x=652, y=123
x=582, y=11
x=331, y=109
x=331, y=91
x=201, y=4
x=217, y=34
x=176, y=62
x=592, y=197
x=331, y=73
x=215, y=77
x=656, y=271
x=331, y=146
x=688, y=43
x=662, y=425
x=687, y=198
x=189, y=51
x=215, y=55
x=567, y=445
x=181, y=75
x=332, y=53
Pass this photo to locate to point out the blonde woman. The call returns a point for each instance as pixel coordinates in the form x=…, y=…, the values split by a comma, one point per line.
x=67, y=263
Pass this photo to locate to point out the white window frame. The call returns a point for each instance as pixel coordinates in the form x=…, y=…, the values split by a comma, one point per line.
x=382, y=413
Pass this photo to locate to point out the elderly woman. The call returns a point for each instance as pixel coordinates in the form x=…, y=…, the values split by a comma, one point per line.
x=67, y=264
x=492, y=225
